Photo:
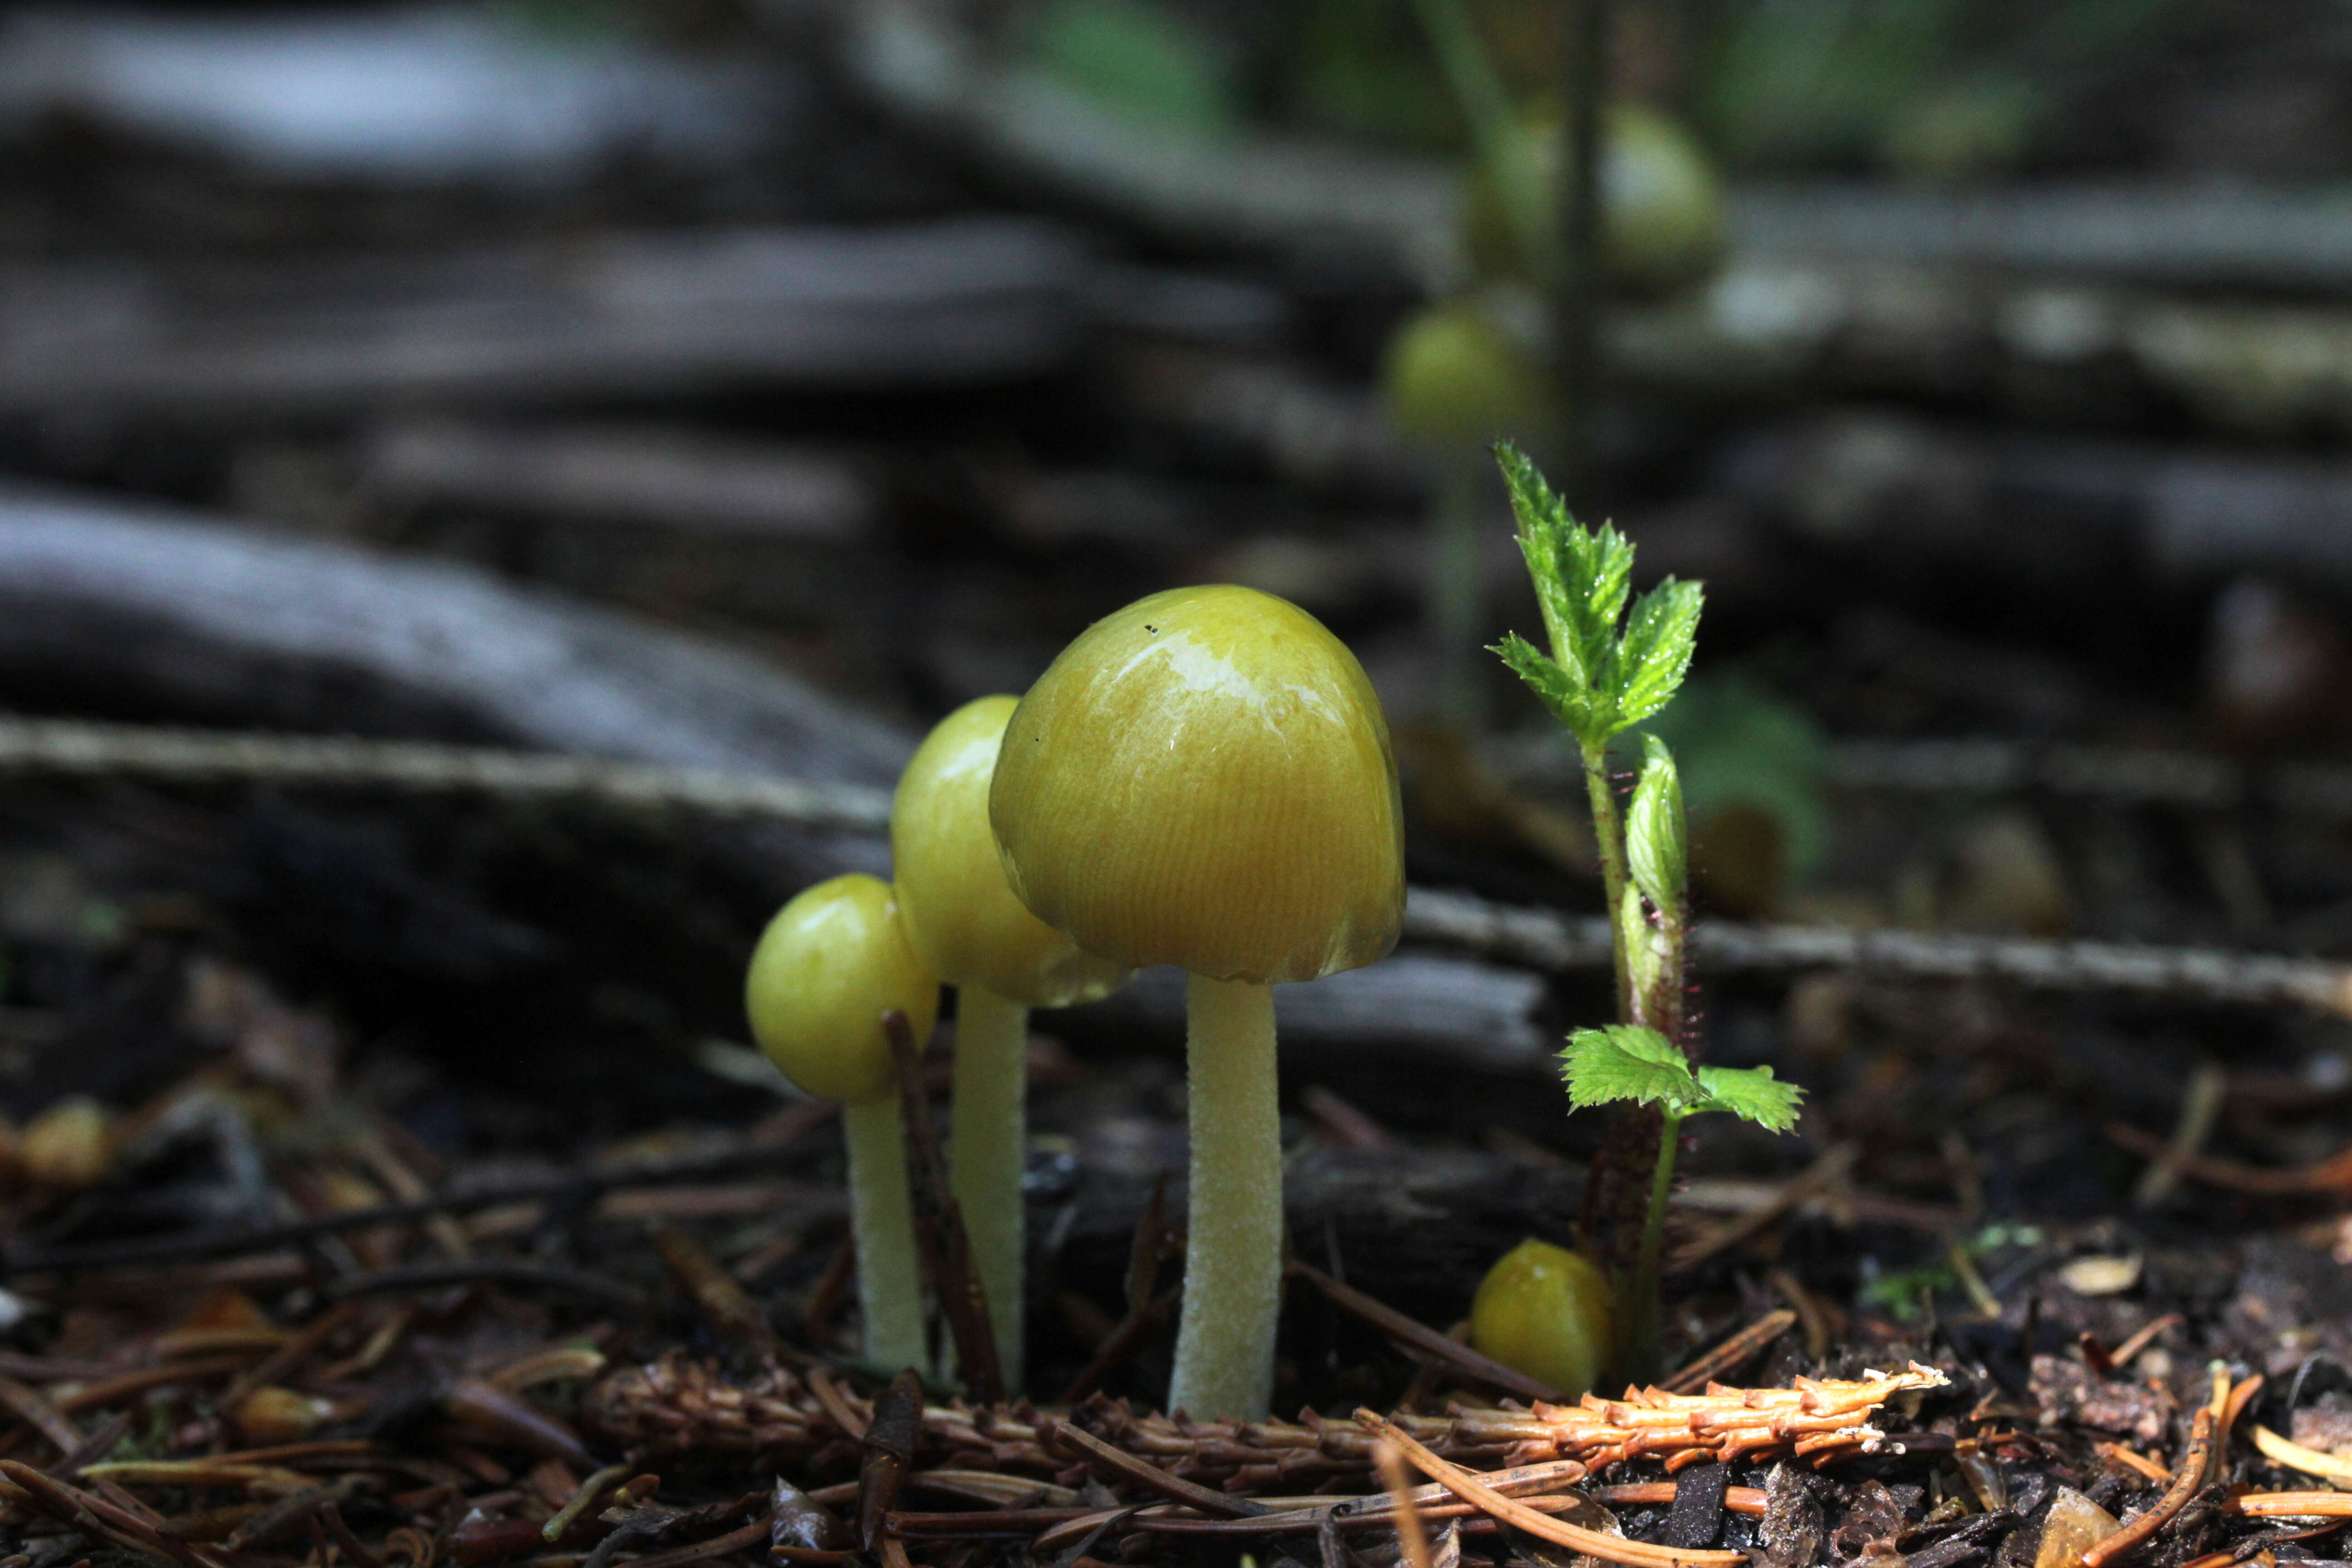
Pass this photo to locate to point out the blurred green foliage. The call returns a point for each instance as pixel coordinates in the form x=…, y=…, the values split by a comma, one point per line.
x=1935, y=89
x=1149, y=62
x=1741, y=743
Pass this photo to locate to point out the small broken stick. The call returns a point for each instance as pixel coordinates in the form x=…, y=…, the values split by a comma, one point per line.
x=939, y=1226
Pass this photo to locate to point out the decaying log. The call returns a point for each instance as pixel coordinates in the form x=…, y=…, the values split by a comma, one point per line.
x=681, y=479
x=1479, y=1016
x=1990, y=765
x=1261, y=188
x=1927, y=495
x=1254, y=189
x=1772, y=328
x=2178, y=235
x=105, y=604
x=65, y=748
x=957, y=302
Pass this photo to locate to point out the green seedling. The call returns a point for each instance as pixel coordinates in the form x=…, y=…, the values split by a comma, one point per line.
x=1615, y=662
x=1628, y=1064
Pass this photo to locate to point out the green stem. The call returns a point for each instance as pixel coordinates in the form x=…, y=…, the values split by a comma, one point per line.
x=882, y=1220
x=1609, y=835
x=1638, y=1314
x=1233, y=1251
x=1455, y=597
x=1485, y=104
x=1578, y=244
x=1477, y=88
x=986, y=1152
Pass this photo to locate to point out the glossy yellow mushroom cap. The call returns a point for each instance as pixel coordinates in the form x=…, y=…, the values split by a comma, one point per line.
x=1205, y=779
x=960, y=910
x=1545, y=1310
x=828, y=966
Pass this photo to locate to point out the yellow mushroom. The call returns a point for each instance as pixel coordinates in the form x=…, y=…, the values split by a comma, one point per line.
x=1545, y=1310
x=970, y=931
x=1205, y=779
x=829, y=965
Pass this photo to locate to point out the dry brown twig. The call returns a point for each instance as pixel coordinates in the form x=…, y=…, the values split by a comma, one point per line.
x=678, y=1405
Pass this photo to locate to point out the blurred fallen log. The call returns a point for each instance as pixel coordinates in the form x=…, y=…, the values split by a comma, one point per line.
x=2205, y=234
x=643, y=475
x=1260, y=189
x=1480, y=1014
x=1554, y=943
x=1774, y=327
x=104, y=602
x=72, y=749
x=956, y=302
x=96, y=592
x=1410, y=1005
x=1268, y=189
x=1985, y=765
x=1926, y=496
x=399, y=96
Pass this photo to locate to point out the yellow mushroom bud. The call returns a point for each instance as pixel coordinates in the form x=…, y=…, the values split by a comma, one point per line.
x=1545, y=1310
x=69, y=1146
x=829, y=965
x=1663, y=211
x=960, y=910
x=1455, y=377
x=966, y=924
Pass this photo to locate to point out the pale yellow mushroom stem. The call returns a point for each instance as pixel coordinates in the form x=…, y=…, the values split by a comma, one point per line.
x=882, y=1217
x=986, y=1152
x=1233, y=1254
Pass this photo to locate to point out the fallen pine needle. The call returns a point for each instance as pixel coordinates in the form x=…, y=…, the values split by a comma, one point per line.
x=2133, y=1461
x=1410, y=1536
x=2295, y=1456
x=1470, y=1490
x=2185, y=1482
x=2292, y=1505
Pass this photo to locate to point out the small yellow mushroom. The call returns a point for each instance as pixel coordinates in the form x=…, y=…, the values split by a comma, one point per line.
x=1545, y=1310
x=1204, y=778
x=829, y=965
x=967, y=926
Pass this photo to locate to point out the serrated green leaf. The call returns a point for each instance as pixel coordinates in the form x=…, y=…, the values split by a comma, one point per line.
x=1655, y=652
x=1583, y=577
x=1571, y=703
x=1627, y=1062
x=1752, y=1094
x=1543, y=527
x=1655, y=834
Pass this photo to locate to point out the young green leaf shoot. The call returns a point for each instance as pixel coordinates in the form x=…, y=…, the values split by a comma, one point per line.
x=1628, y=1064
x=1609, y=667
